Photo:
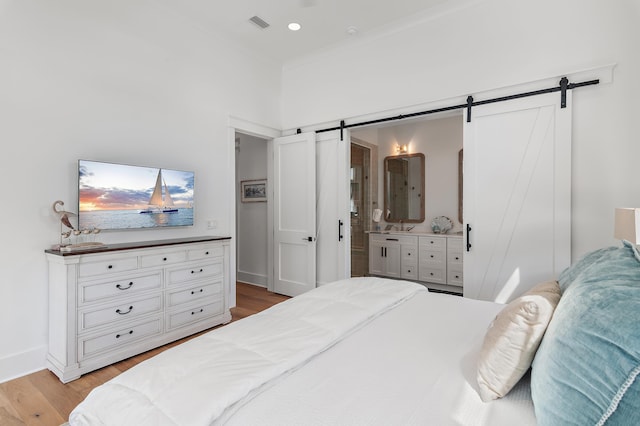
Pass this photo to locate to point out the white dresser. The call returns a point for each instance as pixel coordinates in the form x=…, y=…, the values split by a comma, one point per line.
x=109, y=304
x=429, y=258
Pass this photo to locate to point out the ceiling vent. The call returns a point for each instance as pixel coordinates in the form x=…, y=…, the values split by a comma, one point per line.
x=259, y=22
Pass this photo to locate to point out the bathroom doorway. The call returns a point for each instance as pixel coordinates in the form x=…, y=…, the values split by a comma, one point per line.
x=363, y=199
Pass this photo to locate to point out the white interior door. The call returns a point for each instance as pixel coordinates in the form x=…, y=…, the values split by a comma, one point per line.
x=517, y=195
x=294, y=213
x=332, y=193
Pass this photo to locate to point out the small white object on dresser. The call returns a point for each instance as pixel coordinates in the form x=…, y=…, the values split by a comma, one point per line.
x=111, y=303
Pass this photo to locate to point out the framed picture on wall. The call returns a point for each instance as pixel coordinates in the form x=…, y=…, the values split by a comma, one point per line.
x=252, y=191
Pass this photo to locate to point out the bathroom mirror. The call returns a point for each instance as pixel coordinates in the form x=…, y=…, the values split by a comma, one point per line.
x=404, y=188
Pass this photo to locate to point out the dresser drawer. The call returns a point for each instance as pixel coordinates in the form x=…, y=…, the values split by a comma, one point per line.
x=198, y=313
x=97, y=290
x=434, y=275
x=208, y=291
x=92, y=267
x=120, y=336
x=121, y=311
x=162, y=258
x=196, y=272
x=205, y=252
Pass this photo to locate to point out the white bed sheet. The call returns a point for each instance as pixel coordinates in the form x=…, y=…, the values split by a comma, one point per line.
x=414, y=365
x=365, y=351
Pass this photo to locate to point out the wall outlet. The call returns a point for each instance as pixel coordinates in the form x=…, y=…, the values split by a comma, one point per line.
x=212, y=224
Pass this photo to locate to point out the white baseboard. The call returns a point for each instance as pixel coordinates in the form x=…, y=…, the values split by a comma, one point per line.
x=251, y=278
x=23, y=363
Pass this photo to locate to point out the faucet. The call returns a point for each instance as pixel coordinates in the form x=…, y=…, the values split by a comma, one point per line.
x=401, y=225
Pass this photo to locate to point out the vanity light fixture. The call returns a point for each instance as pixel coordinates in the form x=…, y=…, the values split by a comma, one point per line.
x=402, y=149
x=294, y=26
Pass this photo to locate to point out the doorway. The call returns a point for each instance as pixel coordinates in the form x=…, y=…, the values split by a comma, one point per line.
x=251, y=159
x=363, y=199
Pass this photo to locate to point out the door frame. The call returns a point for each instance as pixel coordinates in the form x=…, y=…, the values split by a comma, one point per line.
x=240, y=125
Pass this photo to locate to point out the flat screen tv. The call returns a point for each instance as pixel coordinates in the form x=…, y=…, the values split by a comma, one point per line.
x=120, y=196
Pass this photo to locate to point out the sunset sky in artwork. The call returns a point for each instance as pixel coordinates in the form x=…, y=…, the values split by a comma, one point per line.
x=109, y=186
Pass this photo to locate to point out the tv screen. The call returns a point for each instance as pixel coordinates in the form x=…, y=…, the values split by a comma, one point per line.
x=119, y=196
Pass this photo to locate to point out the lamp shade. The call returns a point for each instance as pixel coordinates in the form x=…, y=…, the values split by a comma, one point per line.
x=627, y=225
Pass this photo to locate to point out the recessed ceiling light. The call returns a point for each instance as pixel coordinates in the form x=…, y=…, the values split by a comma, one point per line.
x=294, y=26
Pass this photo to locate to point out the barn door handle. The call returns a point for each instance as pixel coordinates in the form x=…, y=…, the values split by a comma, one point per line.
x=340, y=236
x=468, y=237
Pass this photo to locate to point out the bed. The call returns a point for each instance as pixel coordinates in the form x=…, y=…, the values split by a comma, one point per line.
x=374, y=351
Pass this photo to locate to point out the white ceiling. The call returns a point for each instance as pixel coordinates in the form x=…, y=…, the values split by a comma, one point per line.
x=324, y=22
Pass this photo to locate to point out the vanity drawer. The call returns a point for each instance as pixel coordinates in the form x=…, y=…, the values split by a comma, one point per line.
x=409, y=271
x=433, y=275
x=117, y=337
x=409, y=253
x=195, y=272
x=97, y=290
x=121, y=311
x=432, y=257
x=454, y=243
x=454, y=257
x=162, y=258
x=198, y=313
x=210, y=291
x=433, y=243
x=454, y=276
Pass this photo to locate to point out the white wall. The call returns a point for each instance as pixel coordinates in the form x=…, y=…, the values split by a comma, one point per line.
x=251, y=217
x=115, y=81
x=493, y=44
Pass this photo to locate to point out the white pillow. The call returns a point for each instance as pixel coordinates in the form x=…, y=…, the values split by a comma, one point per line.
x=513, y=339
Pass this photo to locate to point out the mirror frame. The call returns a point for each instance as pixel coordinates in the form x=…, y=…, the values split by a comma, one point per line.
x=422, y=188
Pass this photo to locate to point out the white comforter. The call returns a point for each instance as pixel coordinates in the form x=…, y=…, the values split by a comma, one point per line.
x=202, y=382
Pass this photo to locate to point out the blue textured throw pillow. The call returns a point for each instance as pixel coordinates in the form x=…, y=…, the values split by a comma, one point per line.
x=587, y=369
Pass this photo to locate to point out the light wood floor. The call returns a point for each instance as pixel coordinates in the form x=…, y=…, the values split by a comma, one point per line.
x=41, y=399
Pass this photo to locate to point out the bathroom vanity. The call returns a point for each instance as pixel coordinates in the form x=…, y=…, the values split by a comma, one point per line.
x=432, y=259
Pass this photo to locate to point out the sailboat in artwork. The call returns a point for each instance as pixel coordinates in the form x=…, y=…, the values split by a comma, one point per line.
x=158, y=203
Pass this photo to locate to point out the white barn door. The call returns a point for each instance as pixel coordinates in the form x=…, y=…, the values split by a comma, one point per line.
x=332, y=194
x=517, y=195
x=294, y=214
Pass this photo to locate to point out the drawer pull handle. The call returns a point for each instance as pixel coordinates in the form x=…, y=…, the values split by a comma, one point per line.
x=431, y=273
x=120, y=287
x=119, y=335
x=201, y=270
x=457, y=276
x=457, y=258
x=206, y=253
x=118, y=311
x=164, y=259
x=194, y=292
x=110, y=267
x=431, y=256
x=197, y=312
